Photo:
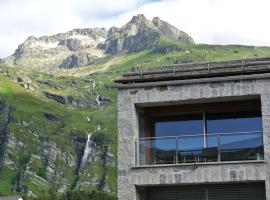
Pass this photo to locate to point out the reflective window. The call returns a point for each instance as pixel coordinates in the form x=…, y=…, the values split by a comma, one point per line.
x=210, y=132
x=190, y=125
x=233, y=122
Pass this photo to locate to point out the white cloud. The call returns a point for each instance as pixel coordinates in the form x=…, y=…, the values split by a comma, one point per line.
x=207, y=21
x=216, y=21
x=22, y=18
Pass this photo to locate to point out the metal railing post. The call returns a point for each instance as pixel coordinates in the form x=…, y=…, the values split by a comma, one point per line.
x=262, y=153
x=137, y=152
x=176, y=150
x=218, y=137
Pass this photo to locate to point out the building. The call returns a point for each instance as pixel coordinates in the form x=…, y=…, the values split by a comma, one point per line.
x=195, y=131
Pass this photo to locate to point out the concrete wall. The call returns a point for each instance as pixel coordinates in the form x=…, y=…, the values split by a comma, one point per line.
x=128, y=99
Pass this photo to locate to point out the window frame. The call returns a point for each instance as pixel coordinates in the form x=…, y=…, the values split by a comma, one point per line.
x=172, y=113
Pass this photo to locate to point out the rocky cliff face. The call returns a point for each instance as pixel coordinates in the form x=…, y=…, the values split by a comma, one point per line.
x=5, y=117
x=140, y=34
x=78, y=59
x=82, y=47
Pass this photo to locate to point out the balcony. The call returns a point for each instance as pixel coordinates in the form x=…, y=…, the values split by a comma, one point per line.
x=202, y=148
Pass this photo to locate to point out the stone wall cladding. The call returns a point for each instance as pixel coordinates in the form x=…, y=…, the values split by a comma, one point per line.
x=129, y=177
x=198, y=174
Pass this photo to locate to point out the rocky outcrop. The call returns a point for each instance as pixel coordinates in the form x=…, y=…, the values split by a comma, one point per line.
x=140, y=34
x=51, y=117
x=89, y=102
x=26, y=82
x=80, y=59
x=19, y=78
x=79, y=103
x=55, y=97
x=72, y=44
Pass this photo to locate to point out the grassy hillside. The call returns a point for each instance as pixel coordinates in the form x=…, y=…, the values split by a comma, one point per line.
x=46, y=139
x=30, y=132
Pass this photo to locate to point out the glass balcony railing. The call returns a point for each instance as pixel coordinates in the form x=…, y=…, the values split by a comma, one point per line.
x=200, y=148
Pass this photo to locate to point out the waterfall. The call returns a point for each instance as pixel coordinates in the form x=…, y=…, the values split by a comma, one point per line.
x=89, y=149
x=98, y=101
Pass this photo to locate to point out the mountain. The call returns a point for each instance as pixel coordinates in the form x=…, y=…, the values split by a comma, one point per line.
x=140, y=34
x=58, y=133
x=82, y=47
x=78, y=47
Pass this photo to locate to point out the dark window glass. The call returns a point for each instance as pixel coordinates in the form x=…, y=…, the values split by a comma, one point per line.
x=245, y=143
x=238, y=141
x=189, y=144
x=191, y=125
x=233, y=122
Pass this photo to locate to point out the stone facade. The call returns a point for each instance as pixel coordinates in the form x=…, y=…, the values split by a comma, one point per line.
x=130, y=177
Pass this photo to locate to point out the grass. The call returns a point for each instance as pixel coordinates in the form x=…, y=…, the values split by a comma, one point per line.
x=30, y=106
x=6, y=178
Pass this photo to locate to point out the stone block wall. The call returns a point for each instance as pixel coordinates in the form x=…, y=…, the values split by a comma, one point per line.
x=129, y=99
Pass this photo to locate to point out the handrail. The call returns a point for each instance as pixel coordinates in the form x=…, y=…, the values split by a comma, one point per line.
x=178, y=149
x=202, y=66
x=196, y=135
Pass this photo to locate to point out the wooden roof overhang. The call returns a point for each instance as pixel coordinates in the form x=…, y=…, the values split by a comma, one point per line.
x=196, y=72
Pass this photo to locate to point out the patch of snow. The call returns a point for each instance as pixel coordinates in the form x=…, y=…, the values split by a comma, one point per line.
x=45, y=45
x=88, y=39
x=80, y=37
x=101, y=39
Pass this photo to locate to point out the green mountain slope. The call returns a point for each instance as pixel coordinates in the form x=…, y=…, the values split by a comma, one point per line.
x=44, y=130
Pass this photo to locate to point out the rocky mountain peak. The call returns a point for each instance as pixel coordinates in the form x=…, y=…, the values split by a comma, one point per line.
x=156, y=21
x=141, y=33
x=138, y=18
x=170, y=31
x=31, y=38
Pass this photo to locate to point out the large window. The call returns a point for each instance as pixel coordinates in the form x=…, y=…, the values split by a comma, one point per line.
x=210, y=132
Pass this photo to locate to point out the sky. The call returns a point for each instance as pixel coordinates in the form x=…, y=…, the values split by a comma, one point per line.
x=244, y=22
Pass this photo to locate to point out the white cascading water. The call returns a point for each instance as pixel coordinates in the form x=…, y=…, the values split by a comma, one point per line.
x=90, y=147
